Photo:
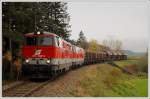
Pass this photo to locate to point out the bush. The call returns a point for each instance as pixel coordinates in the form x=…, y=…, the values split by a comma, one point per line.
x=143, y=64
x=8, y=56
x=10, y=67
x=133, y=68
x=6, y=63
x=16, y=68
x=140, y=66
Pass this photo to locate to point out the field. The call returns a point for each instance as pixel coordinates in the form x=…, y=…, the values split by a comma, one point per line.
x=106, y=80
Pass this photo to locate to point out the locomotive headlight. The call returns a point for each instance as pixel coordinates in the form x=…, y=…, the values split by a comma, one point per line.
x=38, y=32
x=27, y=60
x=48, y=61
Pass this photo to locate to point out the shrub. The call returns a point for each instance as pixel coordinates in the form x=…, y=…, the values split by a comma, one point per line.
x=132, y=68
x=11, y=67
x=6, y=63
x=143, y=64
x=17, y=64
x=7, y=56
x=140, y=66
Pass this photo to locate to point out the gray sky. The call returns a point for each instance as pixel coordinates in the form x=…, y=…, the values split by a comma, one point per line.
x=126, y=21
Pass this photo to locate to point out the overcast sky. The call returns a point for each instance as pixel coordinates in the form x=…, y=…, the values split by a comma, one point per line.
x=126, y=21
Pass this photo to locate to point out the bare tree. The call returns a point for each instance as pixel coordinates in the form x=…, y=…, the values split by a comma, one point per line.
x=118, y=45
x=113, y=44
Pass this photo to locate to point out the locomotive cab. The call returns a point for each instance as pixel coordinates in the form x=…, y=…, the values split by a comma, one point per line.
x=38, y=54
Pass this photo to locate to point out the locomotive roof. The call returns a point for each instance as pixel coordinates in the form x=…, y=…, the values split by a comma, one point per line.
x=49, y=34
x=42, y=34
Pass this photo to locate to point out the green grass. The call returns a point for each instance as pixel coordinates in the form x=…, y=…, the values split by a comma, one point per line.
x=129, y=88
x=126, y=62
x=109, y=81
x=141, y=86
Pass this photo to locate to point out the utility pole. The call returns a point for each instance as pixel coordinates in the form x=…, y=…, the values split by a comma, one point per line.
x=11, y=68
x=10, y=48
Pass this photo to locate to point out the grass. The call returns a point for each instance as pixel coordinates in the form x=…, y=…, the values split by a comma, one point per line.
x=136, y=87
x=92, y=84
x=126, y=62
x=110, y=81
x=141, y=86
x=135, y=65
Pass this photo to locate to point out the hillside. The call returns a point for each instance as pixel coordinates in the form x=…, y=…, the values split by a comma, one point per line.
x=132, y=53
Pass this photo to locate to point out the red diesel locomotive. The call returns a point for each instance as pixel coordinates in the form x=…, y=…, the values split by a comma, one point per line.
x=46, y=54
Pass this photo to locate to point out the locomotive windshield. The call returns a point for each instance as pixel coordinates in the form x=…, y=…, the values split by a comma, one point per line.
x=39, y=41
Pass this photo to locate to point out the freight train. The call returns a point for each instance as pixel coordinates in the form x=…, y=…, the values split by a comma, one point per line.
x=46, y=54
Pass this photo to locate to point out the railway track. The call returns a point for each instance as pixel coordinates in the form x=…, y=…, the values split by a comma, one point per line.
x=25, y=89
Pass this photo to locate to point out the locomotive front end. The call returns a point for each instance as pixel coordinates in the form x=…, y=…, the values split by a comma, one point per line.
x=37, y=54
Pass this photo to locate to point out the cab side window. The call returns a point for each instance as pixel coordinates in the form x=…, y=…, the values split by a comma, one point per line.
x=60, y=42
x=57, y=41
x=57, y=38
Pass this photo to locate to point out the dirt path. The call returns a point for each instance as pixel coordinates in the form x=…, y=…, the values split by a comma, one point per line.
x=64, y=85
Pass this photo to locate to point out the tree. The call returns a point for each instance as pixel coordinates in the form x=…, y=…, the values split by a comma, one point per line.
x=82, y=42
x=72, y=41
x=25, y=17
x=55, y=18
x=118, y=45
x=93, y=46
x=113, y=44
